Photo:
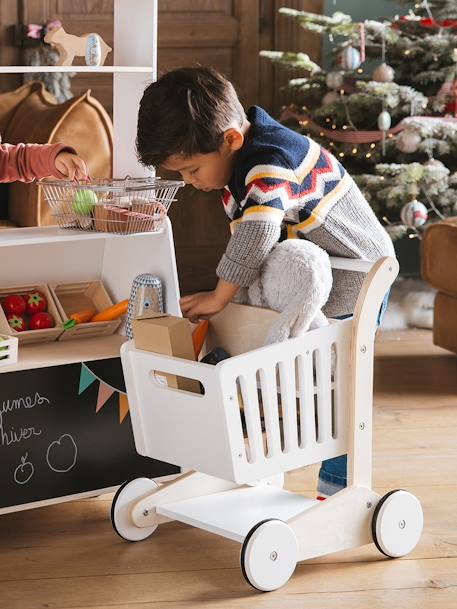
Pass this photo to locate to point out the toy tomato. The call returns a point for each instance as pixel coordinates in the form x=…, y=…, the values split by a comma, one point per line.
x=17, y=322
x=35, y=302
x=41, y=321
x=14, y=305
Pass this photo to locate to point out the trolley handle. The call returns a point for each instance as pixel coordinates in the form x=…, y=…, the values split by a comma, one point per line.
x=159, y=365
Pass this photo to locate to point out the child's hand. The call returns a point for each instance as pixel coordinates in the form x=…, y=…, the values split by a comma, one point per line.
x=201, y=305
x=72, y=166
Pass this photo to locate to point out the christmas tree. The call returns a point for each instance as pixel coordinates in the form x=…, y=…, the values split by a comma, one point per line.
x=387, y=109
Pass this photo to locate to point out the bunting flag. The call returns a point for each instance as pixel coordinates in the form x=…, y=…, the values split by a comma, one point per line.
x=104, y=394
x=86, y=379
x=105, y=391
x=123, y=406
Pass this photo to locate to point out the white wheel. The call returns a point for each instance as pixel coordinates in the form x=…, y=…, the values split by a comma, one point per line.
x=397, y=523
x=128, y=494
x=269, y=555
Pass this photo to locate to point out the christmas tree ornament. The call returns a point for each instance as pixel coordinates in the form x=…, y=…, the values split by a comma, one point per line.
x=329, y=97
x=334, y=80
x=362, y=41
x=434, y=163
x=349, y=58
x=383, y=73
x=408, y=141
x=384, y=121
x=414, y=214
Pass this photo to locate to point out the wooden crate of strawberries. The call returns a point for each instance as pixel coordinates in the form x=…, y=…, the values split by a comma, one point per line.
x=29, y=313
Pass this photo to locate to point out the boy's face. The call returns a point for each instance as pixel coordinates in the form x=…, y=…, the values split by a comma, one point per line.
x=210, y=171
x=204, y=171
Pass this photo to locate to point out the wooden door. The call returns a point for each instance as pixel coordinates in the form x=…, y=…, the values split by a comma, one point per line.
x=223, y=34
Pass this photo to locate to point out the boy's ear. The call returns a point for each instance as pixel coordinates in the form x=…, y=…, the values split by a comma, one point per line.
x=234, y=138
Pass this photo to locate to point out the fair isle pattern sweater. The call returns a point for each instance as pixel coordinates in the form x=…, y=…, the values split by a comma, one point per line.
x=286, y=186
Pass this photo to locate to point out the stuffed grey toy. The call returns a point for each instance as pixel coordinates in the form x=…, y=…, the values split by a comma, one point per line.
x=295, y=279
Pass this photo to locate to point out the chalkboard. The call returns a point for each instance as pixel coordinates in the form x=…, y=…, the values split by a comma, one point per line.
x=53, y=443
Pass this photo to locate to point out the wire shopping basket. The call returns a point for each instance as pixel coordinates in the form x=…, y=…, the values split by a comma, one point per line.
x=120, y=206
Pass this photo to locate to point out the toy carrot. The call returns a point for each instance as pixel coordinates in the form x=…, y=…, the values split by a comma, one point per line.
x=199, y=335
x=113, y=312
x=79, y=317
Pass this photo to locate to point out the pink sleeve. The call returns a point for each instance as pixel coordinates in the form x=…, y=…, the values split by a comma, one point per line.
x=28, y=162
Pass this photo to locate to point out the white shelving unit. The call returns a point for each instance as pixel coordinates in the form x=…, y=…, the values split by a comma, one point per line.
x=135, y=65
x=50, y=254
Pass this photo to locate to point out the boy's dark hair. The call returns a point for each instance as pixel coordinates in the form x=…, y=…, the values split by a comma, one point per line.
x=185, y=112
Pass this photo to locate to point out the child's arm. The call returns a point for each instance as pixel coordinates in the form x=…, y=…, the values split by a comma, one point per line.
x=254, y=236
x=205, y=304
x=27, y=162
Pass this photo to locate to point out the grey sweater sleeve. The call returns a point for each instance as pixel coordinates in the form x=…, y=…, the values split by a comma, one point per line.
x=248, y=247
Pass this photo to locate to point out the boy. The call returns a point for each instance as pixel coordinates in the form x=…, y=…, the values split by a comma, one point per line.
x=277, y=184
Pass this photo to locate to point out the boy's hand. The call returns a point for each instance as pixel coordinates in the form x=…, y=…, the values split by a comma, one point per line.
x=71, y=166
x=201, y=305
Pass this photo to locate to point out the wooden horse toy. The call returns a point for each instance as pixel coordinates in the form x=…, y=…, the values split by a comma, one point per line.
x=91, y=46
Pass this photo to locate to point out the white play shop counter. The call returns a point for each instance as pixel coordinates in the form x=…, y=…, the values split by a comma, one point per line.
x=56, y=441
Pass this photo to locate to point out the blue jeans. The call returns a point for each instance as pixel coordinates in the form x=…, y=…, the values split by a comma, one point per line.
x=333, y=472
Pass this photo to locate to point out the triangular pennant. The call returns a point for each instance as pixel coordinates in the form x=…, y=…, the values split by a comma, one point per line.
x=86, y=379
x=104, y=394
x=123, y=406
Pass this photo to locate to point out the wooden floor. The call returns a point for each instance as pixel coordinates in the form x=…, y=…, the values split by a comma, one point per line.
x=68, y=556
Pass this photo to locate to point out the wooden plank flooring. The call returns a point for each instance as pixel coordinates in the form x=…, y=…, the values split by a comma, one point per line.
x=67, y=556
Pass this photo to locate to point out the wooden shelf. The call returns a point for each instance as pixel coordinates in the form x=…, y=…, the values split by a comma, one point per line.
x=58, y=353
x=82, y=69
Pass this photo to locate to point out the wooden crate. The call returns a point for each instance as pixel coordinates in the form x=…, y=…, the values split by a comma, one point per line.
x=31, y=336
x=8, y=350
x=72, y=297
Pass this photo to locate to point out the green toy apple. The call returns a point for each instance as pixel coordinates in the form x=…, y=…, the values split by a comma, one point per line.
x=84, y=202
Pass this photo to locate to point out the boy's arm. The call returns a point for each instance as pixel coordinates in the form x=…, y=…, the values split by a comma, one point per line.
x=27, y=162
x=254, y=236
x=205, y=304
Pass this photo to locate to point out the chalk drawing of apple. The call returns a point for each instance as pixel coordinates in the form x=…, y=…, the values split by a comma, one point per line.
x=24, y=471
x=61, y=454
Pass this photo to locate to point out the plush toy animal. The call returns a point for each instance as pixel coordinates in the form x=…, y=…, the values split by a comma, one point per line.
x=295, y=279
x=91, y=46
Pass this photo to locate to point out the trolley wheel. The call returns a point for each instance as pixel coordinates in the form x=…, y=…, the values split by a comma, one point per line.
x=128, y=494
x=397, y=523
x=269, y=555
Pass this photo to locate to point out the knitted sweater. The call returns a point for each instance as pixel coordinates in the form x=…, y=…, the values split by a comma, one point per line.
x=286, y=186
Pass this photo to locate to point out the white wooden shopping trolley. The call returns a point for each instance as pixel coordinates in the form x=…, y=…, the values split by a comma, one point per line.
x=264, y=413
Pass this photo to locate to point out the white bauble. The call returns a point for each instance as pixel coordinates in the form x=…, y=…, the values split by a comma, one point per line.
x=435, y=163
x=330, y=97
x=414, y=214
x=334, y=80
x=408, y=141
x=349, y=58
x=384, y=121
x=383, y=73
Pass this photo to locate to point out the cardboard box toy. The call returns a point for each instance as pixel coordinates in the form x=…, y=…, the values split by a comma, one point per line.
x=168, y=335
x=240, y=328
